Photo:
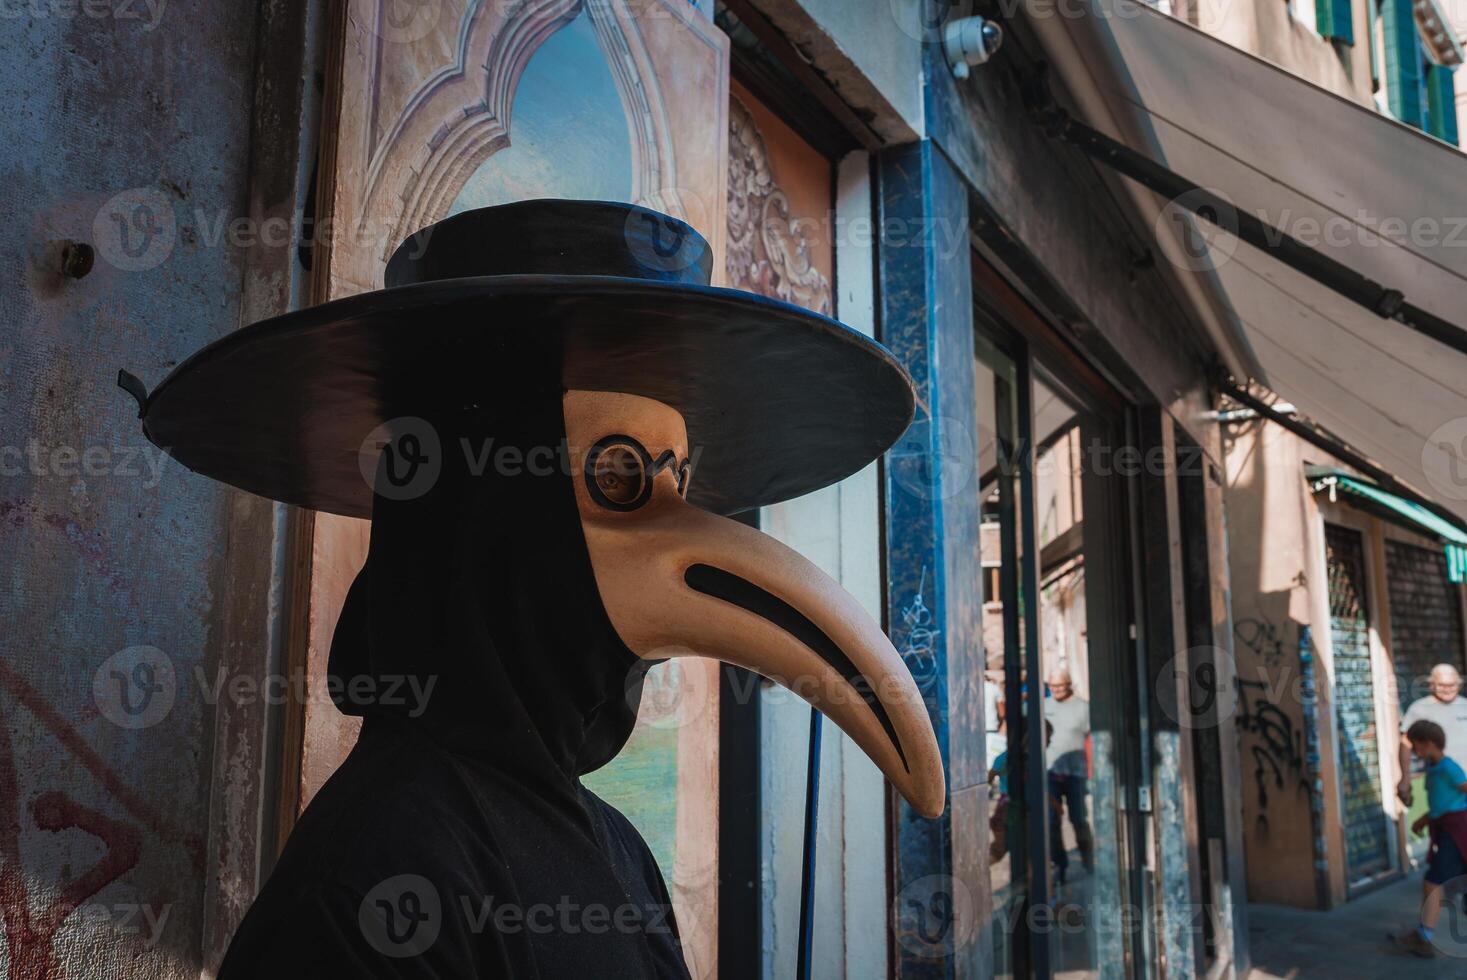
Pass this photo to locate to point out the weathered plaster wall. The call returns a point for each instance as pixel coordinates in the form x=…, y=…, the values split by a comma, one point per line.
x=1280, y=579
x=869, y=50
x=1275, y=576
x=125, y=578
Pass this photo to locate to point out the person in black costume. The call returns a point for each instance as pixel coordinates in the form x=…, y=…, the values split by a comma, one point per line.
x=496, y=639
x=474, y=808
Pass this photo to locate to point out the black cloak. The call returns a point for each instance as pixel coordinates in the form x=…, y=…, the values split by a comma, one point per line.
x=457, y=840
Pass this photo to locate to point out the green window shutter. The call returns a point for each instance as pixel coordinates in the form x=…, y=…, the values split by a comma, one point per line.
x=1402, y=61
x=1334, y=20
x=1372, y=14
x=1441, y=102
x=1456, y=564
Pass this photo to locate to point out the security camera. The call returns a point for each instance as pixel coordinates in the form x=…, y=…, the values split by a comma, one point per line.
x=969, y=41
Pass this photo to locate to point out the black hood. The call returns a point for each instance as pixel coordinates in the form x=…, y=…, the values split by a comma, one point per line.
x=482, y=586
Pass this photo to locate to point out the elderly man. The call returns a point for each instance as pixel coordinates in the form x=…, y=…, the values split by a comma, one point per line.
x=1069, y=766
x=1443, y=706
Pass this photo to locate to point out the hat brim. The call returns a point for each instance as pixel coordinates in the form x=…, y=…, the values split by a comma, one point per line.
x=778, y=401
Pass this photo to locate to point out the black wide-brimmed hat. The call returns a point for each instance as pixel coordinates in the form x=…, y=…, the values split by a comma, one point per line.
x=779, y=401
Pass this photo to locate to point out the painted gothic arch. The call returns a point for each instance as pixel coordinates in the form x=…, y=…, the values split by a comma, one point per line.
x=461, y=114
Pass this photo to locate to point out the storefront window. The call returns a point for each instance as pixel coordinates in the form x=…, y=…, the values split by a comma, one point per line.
x=1060, y=733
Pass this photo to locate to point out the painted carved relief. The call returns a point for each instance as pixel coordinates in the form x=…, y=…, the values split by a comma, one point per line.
x=775, y=247
x=446, y=105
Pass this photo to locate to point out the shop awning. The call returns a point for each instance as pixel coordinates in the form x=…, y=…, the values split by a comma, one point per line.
x=1374, y=214
x=1409, y=512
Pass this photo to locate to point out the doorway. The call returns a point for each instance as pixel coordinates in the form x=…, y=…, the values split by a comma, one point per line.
x=1064, y=724
x=1367, y=837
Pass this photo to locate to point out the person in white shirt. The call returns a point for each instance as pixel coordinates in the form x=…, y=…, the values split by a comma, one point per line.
x=1444, y=706
x=995, y=739
x=1069, y=767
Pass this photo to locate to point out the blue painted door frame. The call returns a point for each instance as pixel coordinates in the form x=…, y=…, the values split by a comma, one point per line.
x=940, y=901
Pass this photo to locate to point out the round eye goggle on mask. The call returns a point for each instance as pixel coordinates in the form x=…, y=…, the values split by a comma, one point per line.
x=620, y=471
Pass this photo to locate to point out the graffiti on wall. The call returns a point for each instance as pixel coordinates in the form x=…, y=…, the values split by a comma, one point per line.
x=1264, y=639
x=1275, y=743
x=29, y=929
x=919, y=650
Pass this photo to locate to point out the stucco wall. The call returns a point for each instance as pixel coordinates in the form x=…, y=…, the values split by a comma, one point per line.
x=869, y=50
x=1270, y=30
x=126, y=127
x=1276, y=527
x=1271, y=571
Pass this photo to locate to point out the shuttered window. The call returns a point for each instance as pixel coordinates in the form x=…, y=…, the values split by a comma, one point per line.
x=1441, y=104
x=1332, y=18
x=1402, y=61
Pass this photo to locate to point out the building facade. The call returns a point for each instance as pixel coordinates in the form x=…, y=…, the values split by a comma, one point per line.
x=1077, y=560
x=1344, y=595
x=1344, y=599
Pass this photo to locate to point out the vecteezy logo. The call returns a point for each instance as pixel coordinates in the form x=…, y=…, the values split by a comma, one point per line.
x=659, y=242
x=1444, y=458
x=401, y=916
x=931, y=471
x=923, y=20
x=1450, y=935
x=401, y=459
x=1206, y=230
x=135, y=230
x=671, y=694
x=406, y=21
x=135, y=687
x=1190, y=692
x=935, y=917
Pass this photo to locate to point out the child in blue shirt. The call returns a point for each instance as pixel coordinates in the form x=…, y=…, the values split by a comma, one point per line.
x=1446, y=799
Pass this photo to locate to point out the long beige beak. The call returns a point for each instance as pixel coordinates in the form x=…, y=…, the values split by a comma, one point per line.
x=678, y=581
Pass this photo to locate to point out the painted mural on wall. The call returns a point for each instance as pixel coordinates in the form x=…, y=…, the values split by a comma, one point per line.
x=463, y=104
x=779, y=199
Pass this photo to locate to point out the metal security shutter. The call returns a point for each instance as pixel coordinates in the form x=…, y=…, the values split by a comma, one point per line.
x=1426, y=617
x=1366, y=853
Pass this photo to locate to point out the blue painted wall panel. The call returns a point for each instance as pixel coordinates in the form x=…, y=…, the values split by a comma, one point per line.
x=932, y=547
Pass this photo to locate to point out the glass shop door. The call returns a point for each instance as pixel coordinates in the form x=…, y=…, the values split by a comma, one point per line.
x=1064, y=727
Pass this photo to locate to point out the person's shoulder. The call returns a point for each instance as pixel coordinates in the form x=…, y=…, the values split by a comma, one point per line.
x=614, y=821
x=359, y=816
x=1452, y=769
x=1415, y=710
